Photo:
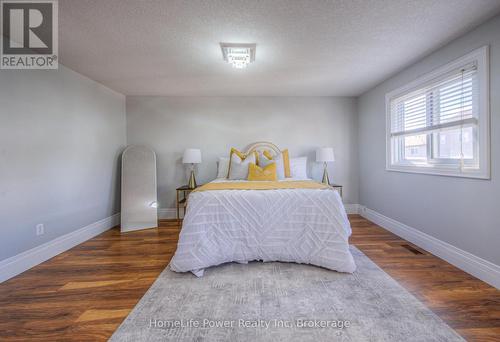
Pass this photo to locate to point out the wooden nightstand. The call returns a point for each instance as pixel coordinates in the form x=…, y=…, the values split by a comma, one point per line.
x=182, y=196
x=338, y=188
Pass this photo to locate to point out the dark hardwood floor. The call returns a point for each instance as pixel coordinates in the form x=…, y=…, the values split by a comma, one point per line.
x=85, y=293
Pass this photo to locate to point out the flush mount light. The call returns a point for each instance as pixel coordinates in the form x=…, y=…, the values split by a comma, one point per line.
x=238, y=55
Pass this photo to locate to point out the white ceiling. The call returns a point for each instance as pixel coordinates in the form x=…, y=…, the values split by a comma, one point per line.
x=307, y=47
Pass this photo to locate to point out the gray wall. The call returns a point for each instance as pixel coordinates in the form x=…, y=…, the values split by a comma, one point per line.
x=215, y=124
x=463, y=212
x=60, y=139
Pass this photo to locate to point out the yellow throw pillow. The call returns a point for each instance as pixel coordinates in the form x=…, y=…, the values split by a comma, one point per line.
x=286, y=160
x=256, y=173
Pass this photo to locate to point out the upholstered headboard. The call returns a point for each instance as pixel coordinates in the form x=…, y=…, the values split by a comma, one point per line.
x=262, y=146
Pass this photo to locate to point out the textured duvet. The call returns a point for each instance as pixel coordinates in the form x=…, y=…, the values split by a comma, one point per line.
x=308, y=226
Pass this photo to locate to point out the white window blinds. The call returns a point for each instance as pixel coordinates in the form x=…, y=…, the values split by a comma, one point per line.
x=439, y=123
x=451, y=100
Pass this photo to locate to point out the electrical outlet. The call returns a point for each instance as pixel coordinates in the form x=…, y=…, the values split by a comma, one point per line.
x=40, y=229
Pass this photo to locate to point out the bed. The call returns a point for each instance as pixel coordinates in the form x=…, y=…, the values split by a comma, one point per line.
x=290, y=220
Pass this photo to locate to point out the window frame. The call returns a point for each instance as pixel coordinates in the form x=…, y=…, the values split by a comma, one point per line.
x=445, y=166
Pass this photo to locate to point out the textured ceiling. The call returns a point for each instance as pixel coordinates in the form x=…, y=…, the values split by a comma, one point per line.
x=307, y=47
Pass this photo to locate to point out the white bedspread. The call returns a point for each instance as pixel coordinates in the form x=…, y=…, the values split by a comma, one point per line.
x=292, y=225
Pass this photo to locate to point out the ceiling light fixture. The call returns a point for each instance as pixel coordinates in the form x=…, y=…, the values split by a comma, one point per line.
x=238, y=55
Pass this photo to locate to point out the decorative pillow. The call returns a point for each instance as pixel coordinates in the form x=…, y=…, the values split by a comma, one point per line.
x=263, y=160
x=238, y=164
x=282, y=162
x=286, y=163
x=298, y=168
x=268, y=173
x=222, y=167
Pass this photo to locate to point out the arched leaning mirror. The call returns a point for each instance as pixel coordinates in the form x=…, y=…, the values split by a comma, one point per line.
x=138, y=200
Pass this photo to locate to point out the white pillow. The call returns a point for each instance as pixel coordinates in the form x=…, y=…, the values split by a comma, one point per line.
x=280, y=166
x=239, y=168
x=222, y=167
x=298, y=168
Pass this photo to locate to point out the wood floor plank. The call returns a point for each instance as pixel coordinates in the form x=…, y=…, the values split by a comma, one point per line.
x=103, y=314
x=86, y=292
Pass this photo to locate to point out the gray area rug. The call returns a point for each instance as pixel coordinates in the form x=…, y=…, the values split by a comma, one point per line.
x=281, y=302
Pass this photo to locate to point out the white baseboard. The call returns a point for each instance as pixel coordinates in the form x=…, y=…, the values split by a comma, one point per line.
x=167, y=213
x=24, y=261
x=470, y=263
x=351, y=208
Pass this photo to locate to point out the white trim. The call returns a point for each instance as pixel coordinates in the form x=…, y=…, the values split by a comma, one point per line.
x=470, y=122
x=470, y=263
x=481, y=55
x=351, y=208
x=167, y=213
x=436, y=171
x=19, y=263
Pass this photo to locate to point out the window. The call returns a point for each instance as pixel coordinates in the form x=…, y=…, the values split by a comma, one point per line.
x=439, y=124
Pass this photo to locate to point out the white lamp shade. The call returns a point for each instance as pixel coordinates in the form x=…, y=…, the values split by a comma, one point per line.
x=325, y=154
x=191, y=156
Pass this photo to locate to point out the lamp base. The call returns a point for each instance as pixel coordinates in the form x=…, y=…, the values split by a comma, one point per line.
x=192, y=181
x=325, y=180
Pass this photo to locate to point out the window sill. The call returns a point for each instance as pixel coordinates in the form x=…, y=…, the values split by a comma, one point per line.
x=436, y=171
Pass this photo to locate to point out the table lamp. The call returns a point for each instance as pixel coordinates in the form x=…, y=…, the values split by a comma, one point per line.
x=192, y=156
x=325, y=155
